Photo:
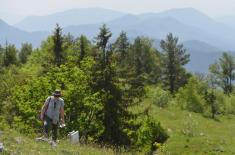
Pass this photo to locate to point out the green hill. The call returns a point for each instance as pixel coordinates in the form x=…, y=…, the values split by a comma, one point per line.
x=190, y=133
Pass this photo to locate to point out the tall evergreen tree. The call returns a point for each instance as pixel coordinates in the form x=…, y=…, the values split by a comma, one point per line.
x=141, y=53
x=58, y=43
x=173, y=60
x=121, y=46
x=83, y=47
x=144, y=59
x=9, y=55
x=115, y=109
x=25, y=51
x=102, y=42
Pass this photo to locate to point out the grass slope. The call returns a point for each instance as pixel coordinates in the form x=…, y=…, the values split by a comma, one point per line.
x=192, y=133
x=18, y=144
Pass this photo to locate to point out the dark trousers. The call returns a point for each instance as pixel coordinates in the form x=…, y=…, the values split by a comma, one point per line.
x=49, y=125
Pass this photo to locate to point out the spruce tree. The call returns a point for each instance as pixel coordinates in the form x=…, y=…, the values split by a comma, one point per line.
x=102, y=42
x=115, y=113
x=58, y=43
x=25, y=51
x=121, y=47
x=9, y=55
x=83, y=47
x=174, y=57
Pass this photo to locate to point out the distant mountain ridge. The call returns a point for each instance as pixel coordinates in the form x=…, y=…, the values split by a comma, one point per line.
x=186, y=23
x=227, y=20
x=68, y=18
x=16, y=36
x=204, y=38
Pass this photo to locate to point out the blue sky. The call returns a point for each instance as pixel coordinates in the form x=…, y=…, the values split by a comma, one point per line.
x=17, y=9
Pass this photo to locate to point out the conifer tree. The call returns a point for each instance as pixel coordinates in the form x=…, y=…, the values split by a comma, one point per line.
x=115, y=109
x=121, y=46
x=83, y=47
x=102, y=42
x=173, y=61
x=58, y=43
x=9, y=55
x=25, y=51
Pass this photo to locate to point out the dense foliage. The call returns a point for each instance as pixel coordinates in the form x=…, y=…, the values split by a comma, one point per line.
x=102, y=82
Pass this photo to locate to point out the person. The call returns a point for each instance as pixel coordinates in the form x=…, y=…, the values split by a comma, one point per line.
x=51, y=114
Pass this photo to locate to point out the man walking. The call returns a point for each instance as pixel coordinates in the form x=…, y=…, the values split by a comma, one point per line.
x=52, y=113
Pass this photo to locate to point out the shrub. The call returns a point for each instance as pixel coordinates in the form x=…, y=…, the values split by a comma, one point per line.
x=226, y=103
x=190, y=126
x=160, y=97
x=150, y=133
x=190, y=97
x=82, y=106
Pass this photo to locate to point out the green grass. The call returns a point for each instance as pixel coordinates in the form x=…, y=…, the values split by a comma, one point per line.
x=18, y=144
x=192, y=133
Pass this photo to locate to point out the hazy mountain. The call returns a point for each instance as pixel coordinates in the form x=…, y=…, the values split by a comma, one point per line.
x=228, y=20
x=202, y=55
x=189, y=16
x=186, y=23
x=203, y=37
x=155, y=27
x=17, y=37
x=10, y=18
x=199, y=46
x=67, y=18
x=196, y=19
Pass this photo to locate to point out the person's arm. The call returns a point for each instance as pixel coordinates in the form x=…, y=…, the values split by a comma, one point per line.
x=43, y=111
x=44, y=108
x=62, y=114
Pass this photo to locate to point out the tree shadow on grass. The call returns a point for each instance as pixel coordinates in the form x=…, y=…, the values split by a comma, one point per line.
x=210, y=117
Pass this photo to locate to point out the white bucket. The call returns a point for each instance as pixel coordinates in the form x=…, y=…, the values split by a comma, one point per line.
x=1, y=147
x=74, y=137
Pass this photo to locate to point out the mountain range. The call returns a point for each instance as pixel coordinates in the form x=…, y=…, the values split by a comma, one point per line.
x=16, y=36
x=227, y=20
x=203, y=36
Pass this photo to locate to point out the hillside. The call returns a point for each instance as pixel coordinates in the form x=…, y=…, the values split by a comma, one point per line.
x=193, y=133
x=16, y=143
x=190, y=133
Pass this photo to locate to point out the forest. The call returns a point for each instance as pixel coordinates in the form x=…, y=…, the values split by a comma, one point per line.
x=106, y=83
